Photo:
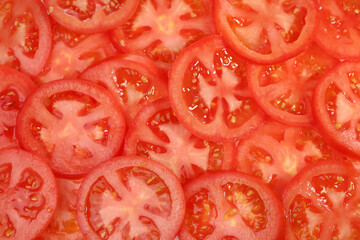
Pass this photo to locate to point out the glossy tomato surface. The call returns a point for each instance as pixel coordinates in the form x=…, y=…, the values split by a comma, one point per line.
x=322, y=202
x=25, y=35
x=28, y=195
x=161, y=29
x=209, y=93
x=266, y=31
x=134, y=80
x=231, y=206
x=130, y=198
x=72, y=124
x=157, y=134
x=88, y=16
x=14, y=88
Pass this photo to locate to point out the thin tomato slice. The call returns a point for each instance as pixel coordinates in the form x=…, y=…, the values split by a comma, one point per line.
x=322, y=202
x=161, y=29
x=14, y=89
x=28, y=195
x=64, y=225
x=91, y=16
x=25, y=35
x=338, y=31
x=130, y=198
x=336, y=107
x=134, y=80
x=276, y=153
x=73, y=52
x=231, y=206
x=209, y=93
x=157, y=134
x=72, y=124
x=266, y=31
x=284, y=91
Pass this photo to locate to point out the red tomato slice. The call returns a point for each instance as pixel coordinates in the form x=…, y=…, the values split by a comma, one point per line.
x=161, y=29
x=338, y=28
x=72, y=53
x=209, y=94
x=25, y=35
x=14, y=88
x=157, y=134
x=266, y=31
x=322, y=202
x=134, y=80
x=130, y=198
x=336, y=106
x=64, y=225
x=284, y=91
x=276, y=153
x=28, y=195
x=89, y=16
x=73, y=124
x=231, y=206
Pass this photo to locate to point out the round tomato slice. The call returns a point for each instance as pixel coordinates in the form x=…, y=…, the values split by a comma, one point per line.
x=25, y=35
x=64, y=225
x=336, y=107
x=14, y=88
x=276, y=153
x=157, y=134
x=231, y=206
x=266, y=31
x=161, y=29
x=28, y=195
x=338, y=28
x=284, y=91
x=130, y=198
x=73, y=124
x=134, y=80
x=322, y=202
x=209, y=94
x=72, y=53
x=91, y=16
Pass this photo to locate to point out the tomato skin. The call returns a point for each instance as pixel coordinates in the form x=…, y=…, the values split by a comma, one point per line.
x=172, y=224
x=213, y=184
x=93, y=139
x=283, y=50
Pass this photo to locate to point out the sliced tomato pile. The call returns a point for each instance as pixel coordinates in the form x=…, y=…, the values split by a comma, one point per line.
x=180, y=119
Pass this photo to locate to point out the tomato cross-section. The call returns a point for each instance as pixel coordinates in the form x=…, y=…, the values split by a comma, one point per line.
x=73, y=124
x=130, y=198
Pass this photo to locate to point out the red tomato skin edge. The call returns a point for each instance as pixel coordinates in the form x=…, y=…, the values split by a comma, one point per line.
x=19, y=133
x=118, y=162
x=252, y=182
x=338, y=166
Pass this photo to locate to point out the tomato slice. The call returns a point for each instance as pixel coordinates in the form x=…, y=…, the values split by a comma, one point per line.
x=130, y=198
x=231, y=206
x=284, y=91
x=209, y=94
x=336, y=107
x=276, y=153
x=134, y=80
x=64, y=225
x=322, y=202
x=89, y=16
x=73, y=52
x=266, y=31
x=73, y=124
x=14, y=88
x=338, y=29
x=28, y=195
x=25, y=35
x=157, y=134
x=161, y=29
